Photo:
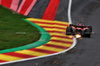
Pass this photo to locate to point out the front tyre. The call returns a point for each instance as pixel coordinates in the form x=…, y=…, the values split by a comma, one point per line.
x=90, y=28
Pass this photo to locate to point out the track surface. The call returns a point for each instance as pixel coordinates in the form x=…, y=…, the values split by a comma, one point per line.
x=86, y=53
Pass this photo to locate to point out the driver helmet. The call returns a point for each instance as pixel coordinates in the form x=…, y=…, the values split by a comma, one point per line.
x=80, y=24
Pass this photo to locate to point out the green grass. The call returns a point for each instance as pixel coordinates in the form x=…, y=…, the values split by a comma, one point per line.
x=14, y=31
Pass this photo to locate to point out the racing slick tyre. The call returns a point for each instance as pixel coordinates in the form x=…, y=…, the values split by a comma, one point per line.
x=90, y=28
x=69, y=31
x=87, y=33
x=70, y=25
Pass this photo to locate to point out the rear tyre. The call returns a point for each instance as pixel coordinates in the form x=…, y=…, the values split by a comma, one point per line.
x=70, y=25
x=68, y=31
x=87, y=33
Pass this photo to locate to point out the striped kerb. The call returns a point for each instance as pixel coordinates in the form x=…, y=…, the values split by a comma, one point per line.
x=26, y=6
x=11, y=4
x=59, y=42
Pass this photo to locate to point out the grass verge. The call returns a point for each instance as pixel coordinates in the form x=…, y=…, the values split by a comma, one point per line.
x=14, y=31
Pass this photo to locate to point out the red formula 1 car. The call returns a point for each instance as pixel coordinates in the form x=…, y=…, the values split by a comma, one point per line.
x=79, y=30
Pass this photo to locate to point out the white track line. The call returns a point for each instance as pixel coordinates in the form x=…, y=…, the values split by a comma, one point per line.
x=70, y=21
x=69, y=12
x=73, y=45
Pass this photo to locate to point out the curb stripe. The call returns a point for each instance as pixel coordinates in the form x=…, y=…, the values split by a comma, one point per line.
x=56, y=32
x=2, y=61
x=22, y=3
x=26, y=6
x=30, y=7
x=14, y=5
x=49, y=23
x=8, y=58
x=42, y=50
x=33, y=53
x=61, y=47
x=52, y=24
x=53, y=27
x=6, y=3
x=18, y=55
x=59, y=44
x=43, y=22
x=51, y=48
x=38, y=20
x=61, y=41
x=61, y=36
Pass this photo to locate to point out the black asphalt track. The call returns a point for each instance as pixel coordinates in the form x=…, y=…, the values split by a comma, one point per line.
x=19, y=3
x=87, y=50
